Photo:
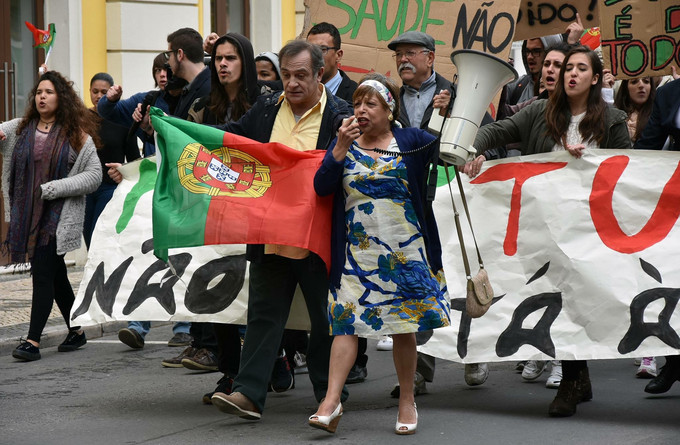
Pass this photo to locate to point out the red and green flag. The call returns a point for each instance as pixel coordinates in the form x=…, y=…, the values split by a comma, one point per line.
x=42, y=38
x=215, y=187
x=591, y=38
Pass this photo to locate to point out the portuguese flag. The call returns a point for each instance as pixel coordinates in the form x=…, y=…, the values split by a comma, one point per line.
x=42, y=38
x=215, y=187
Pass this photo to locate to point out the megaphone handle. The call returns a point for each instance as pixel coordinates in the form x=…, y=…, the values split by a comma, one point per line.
x=436, y=123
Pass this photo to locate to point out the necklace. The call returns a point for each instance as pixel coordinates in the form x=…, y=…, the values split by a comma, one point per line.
x=398, y=153
x=47, y=123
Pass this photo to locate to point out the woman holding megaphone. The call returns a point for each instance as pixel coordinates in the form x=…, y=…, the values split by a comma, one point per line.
x=573, y=118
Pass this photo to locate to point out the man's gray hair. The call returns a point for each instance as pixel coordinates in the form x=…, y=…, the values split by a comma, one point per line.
x=295, y=47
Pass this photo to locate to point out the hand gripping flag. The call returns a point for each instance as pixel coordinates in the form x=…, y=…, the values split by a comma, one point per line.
x=215, y=187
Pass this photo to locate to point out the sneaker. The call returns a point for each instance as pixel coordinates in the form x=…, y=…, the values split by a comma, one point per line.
x=357, y=374
x=385, y=343
x=223, y=385
x=533, y=369
x=637, y=361
x=180, y=339
x=555, y=374
x=419, y=386
x=476, y=373
x=27, y=352
x=176, y=362
x=300, y=361
x=73, y=341
x=647, y=369
x=282, y=378
x=131, y=338
x=203, y=360
x=519, y=367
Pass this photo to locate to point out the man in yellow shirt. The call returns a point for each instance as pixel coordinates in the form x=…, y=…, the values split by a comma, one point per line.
x=305, y=116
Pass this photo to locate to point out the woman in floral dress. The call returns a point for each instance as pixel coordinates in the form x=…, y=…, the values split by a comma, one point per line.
x=386, y=271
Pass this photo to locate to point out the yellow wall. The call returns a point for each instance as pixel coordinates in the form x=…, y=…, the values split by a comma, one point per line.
x=200, y=16
x=287, y=21
x=94, y=42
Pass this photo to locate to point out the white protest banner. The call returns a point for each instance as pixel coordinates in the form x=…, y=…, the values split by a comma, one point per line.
x=581, y=253
x=123, y=280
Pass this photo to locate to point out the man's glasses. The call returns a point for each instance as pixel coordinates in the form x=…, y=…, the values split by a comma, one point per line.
x=536, y=52
x=408, y=54
x=166, y=54
x=324, y=49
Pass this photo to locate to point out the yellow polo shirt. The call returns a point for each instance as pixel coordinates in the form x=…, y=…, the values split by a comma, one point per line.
x=301, y=135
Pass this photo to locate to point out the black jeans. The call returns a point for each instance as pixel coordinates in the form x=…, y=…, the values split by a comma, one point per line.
x=204, y=336
x=572, y=368
x=228, y=348
x=50, y=283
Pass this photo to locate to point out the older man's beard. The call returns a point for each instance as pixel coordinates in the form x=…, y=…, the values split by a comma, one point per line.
x=407, y=65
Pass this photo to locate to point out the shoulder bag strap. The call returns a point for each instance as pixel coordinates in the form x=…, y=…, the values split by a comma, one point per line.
x=467, y=213
x=458, y=229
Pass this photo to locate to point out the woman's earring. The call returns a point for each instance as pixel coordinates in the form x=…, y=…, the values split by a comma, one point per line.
x=390, y=117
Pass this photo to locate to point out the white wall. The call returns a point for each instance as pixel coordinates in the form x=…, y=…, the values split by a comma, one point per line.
x=265, y=25
x=66, y=54
x=137, y=31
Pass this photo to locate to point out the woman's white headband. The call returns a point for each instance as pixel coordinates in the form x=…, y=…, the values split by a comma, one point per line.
x=382, y=90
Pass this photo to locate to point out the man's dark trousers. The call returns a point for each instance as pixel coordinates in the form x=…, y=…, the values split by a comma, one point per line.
x=272, y=285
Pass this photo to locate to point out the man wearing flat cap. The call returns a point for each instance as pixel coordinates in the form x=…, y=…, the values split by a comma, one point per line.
x=423, y=89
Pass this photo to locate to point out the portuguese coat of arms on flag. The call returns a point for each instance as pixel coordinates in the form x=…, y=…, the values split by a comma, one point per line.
x=215, y=187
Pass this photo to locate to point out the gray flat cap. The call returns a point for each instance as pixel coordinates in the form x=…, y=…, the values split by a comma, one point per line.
x=415, y=38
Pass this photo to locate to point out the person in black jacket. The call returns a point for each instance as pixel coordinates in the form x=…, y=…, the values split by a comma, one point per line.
x=305, y=116
x=327, y=37
x=664, y=122
x=116, y=147
x=234, y=90
x=185, y=57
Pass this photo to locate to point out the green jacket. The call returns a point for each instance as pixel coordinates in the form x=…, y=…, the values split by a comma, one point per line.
x=529, y=127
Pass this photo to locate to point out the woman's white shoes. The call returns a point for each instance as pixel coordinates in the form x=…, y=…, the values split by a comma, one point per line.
x=407, y=428
x=327, y=423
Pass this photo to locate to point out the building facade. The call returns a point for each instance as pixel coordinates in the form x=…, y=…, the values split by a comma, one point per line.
x=122, y=37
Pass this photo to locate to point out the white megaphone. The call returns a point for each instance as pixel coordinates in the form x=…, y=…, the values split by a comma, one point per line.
x=480, y=77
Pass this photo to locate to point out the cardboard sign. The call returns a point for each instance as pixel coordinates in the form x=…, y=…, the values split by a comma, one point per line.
x=537, y=19
x=640, y=37
x=366, y=27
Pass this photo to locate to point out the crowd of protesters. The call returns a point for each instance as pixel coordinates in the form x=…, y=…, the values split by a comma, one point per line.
x=54, y=193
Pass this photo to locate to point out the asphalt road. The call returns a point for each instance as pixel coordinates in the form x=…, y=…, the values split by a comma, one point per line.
x=107, y=393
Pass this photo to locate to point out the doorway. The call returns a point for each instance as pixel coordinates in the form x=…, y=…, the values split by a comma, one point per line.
x=19, y=63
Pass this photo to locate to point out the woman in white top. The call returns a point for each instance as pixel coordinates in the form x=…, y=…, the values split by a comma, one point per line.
x=574, y=118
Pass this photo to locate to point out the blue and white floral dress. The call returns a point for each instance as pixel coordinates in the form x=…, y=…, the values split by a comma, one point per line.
x=387, y=285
